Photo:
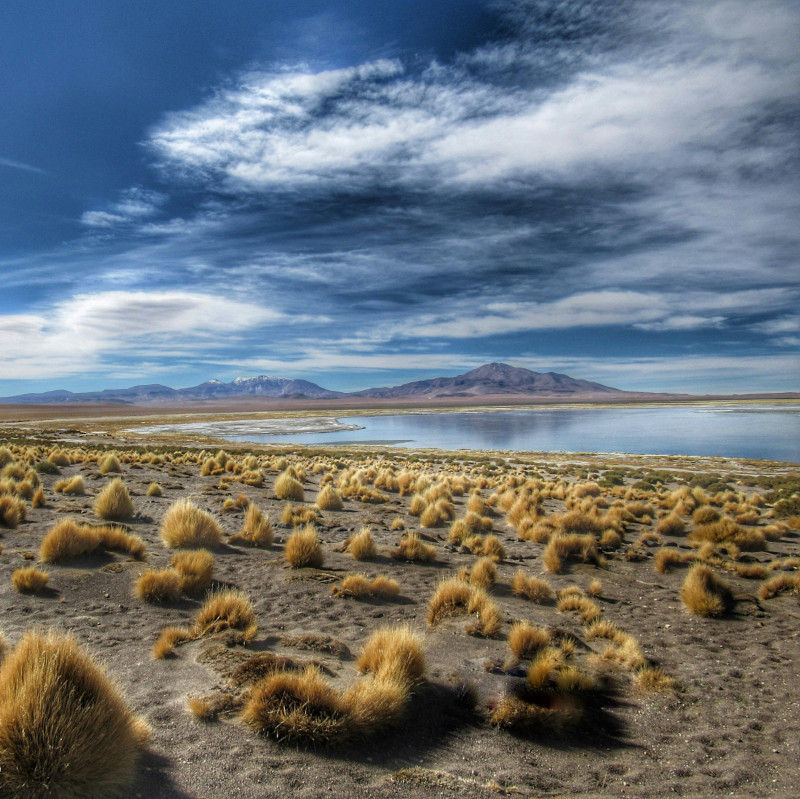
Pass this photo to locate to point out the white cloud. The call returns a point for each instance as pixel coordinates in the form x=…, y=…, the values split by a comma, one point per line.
x=135, y=205
x=82, y=334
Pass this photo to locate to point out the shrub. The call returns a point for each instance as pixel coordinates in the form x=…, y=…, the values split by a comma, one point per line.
x=110, y=463
x=65, y=731
x=73, y=486
x=704, y=594
x=304, y=549
x=68, y=540
x=114, y=501
x=329, y=498
x=288, y=487
x=223, y=610
x=395, y=654
x=46, y=467
x=297, y=708
x=196, y=570
x=29, y=579
x=412, y=548
x=257, y=529
x=187, y=526
x=525, y=639
x=532, y=588
x=362, y=545
x=12, y=511
x=159, y=586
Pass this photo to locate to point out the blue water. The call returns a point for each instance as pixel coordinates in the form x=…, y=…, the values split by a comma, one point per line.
x=770, y=433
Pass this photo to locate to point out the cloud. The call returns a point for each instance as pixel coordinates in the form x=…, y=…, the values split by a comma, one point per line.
x=11, y=164
x=87, y=332
x=609, y=308
x=135, y=205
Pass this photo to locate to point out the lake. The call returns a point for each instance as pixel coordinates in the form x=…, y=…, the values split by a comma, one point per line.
x=746, y=431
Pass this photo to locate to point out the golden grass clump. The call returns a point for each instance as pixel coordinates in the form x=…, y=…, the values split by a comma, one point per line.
x=169, y=638
x=110, y=463
x=114, y=501
x=159, y=586
x=418, y=505
x=362, y=545
x=304, y=549
x=483, y=573
x=223, y=610
x=666, y=557
x=196, y=570
x=329, y=498
x=29, y=580
x=569, y=546
x=65, y=731
x=155, y=490
x=38, y=500
x=186, y=526
x=358, y=586
x=450, y=597
x=257, y=529
x=395, y=654
x=73, y=486
x=778, y=585
x=704, y=594
x=651, y=679
x=12, y=511
x=524, y=639
x=705, y=515
x=297, y=708
x=66, y=540
x=671, y=525
x=287, y=486
x=726, y=531
x=413, y=549
x=533, y=588
x=588, y=611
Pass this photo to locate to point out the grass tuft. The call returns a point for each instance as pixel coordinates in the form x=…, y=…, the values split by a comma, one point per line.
x=186, y=526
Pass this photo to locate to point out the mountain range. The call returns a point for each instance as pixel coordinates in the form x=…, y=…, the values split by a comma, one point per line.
x=493, y=379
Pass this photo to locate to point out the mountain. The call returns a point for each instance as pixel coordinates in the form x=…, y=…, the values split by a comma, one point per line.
x=262, y=386
x=494, y=379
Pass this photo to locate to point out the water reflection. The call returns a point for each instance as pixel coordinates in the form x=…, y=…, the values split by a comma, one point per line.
x=772, y=434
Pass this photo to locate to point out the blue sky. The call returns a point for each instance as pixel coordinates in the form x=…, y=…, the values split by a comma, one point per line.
x=361, y=193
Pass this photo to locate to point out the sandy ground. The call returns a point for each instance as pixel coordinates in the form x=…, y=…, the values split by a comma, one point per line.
x=731, y=729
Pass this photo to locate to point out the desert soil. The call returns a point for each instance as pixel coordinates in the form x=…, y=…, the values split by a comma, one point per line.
x=730, y=728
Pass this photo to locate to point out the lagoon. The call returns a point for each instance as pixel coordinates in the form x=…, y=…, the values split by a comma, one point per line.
x=769, y=432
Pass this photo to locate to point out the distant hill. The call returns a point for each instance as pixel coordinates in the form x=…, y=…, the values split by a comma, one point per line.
x=494, y=379
x=489, y=380
x=262, y=386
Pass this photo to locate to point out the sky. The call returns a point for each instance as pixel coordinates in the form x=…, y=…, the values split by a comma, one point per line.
x=363, y=193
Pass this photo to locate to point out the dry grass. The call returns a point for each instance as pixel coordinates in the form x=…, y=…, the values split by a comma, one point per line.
x=726, y=531
x=257, y=529
x=287, y=486
x=155, y=490
x=74, y=486
x=588, y=611
x=671, y=525
x=704, y=594
x=483, y=573
x=29, y=580
x=651, y=679
x=186, y=526
x=12, y=511
x=68, y=540
x=525, y=639
x=779, y=584
x=329, y=499
x=413, y=549
x=532, y=588
x=109, y=464
x=362, y=545
x=394, y=654
x=571, y=546
x=196, y=570
x=54, y=702
x=358, y=586
x=451, y=597
x=160, y=586
x=169, y=638
x=223, y=610
x=304, y=549
x=114, y=501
